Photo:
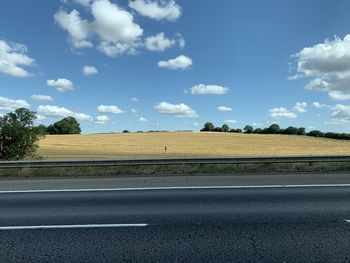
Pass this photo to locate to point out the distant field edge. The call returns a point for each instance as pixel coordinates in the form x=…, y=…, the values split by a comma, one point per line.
x=174, y=166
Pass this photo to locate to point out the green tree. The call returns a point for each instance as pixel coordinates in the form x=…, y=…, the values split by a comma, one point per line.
x=67, y=125
x=274, y=129
x=208, y=127
x=248, y=129
x=225, y=128
x=18, y=136
x=41, y=129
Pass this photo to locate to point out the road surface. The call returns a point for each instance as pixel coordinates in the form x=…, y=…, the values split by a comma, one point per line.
x=273, y=222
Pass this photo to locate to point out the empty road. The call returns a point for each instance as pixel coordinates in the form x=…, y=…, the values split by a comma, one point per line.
x=255, y=223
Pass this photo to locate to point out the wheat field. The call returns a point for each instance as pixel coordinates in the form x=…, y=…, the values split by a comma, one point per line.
x=185, y=144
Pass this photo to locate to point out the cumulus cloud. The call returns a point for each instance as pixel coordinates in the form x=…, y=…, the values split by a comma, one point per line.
x=141, y=119
x=101, y=119
x=340, y=114
x=60, y=84
x=55, y=111
x=202, y=89
x=41, y=97
x=231, y=121
x=9, y=105
x=318, y=105
x=89, y=70
x=224, y=109
x=157, y=9
x=116, y=31
x=180, y=62
x=115, y=27
x=300, y=107
x=327, y=65
x=109, y=109
x=281, y=113
x=133, y=99
x=181, y=41
x=12, y=59
x=177, y=110
x=159, y=42
x=77, y=28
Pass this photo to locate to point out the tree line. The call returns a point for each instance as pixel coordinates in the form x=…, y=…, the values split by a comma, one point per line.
x=276, y=129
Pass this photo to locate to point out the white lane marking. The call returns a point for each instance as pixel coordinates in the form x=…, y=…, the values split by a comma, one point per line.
x=347, y=220
x=173, y=188
x=70, y=226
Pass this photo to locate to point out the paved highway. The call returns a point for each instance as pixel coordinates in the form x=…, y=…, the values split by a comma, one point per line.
x=261, y=223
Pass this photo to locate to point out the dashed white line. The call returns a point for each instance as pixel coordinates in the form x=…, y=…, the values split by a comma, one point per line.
x=70, y=226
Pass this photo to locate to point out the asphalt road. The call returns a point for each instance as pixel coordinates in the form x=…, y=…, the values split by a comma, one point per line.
x=226, y=224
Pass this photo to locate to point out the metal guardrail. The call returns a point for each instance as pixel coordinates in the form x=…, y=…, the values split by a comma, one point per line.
x=174, y=161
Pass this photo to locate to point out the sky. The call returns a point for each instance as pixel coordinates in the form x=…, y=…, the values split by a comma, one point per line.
x=176, y=64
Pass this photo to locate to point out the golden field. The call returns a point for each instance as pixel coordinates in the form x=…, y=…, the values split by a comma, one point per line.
x=185, y=144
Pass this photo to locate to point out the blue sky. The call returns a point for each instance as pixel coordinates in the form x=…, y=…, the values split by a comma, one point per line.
x=172, y=65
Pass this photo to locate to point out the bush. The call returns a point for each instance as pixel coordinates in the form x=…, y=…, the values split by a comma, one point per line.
x=18, y=137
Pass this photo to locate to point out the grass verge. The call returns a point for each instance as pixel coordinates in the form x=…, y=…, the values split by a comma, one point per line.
x=186, y=169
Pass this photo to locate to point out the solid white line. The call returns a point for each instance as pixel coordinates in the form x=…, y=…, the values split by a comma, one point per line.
x=70, y=226
x=173, y=188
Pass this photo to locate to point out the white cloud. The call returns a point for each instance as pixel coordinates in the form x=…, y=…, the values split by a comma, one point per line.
x=77, y=28
x=9, y=105
x=141, y=119
x=85, y=3
x=60, y=84
x=41, y=97
x=89, y=70
x=328, y=67
x=180, y=62
x=40, y=117
x=158, y=10
x=12, y=57
x=55, y=111
x=109, y=109
x=339, y=95
x=114, y=27
x=231, y=121
x=300, y=107
x=201, y=89
x=133, y=99
x=101, y=119
x=181, y=41
x=281, y=113
x=224, y=108
x=318, y=105
x=159, y=42
x=177, y=110
x=340, y=114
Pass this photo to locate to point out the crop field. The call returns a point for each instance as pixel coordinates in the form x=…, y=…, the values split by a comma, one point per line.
x=185, y=144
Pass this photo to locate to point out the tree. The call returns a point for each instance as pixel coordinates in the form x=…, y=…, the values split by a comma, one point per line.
x=274, y=129
x=41, y=129
x=291, y=130
x=225, y=128
x=208, y=127
x=18, y=136
x=67, y=125
x=315, y=133
x=248, y=129
x=257, y=130
x=301, y=131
